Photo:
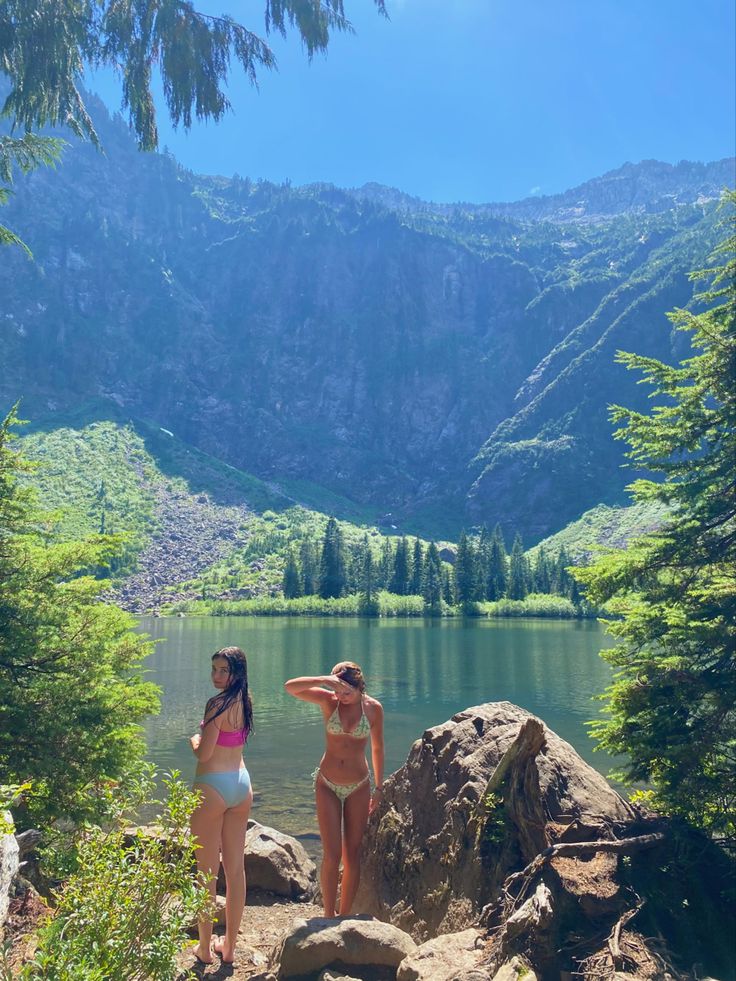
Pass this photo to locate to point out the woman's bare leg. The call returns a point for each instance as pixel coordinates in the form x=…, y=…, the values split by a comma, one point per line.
x=355, y=818
x=206, y=827
x=234, y=826
x=329, y=818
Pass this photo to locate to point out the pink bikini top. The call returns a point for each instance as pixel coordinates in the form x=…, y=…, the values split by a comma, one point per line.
x=235, y=738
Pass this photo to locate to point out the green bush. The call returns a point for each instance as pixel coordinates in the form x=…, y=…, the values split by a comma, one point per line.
x=72, y=693
x=388, y=604
x=534, y=605
x=123, y=914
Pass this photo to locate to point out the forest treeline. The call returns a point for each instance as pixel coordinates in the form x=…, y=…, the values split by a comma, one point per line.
x=482, y=570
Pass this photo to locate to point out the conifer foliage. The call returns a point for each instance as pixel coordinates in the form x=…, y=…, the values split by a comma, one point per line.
x=25, y=153
x=332, y=565
x=46, y=45
x=672, y=707
x=71, y=695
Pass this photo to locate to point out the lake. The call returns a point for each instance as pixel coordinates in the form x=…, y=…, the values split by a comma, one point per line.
x=422, y=672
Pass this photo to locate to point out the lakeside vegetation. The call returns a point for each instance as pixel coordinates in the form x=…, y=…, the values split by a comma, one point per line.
x=304, y=564
x=106, y=476
x=386, y=605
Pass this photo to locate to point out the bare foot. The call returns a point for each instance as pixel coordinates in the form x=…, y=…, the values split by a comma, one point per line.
x=226, y=953
x=204, y=956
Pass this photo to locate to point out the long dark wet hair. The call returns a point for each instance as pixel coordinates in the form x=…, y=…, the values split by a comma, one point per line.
x=236, y=691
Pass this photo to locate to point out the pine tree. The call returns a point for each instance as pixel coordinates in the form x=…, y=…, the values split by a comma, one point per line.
x=308, y=568
x=518, y=571
x=466, y=583
x=291, y=583
x=44, y=48
x=400, y=578
x=448, y=586
x=542, y=577
x=496, y=581
x=673, y=592
x=431, y=588
x=483, y=563
x=386, y=565
x=26, y=153
x=562, y=580
x=332, y=563
x=417, y=569
x=70, y=673
x=367, y=602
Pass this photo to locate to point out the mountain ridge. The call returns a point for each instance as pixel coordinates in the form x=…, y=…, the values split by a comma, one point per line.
x=443, y=370
x=623, y=189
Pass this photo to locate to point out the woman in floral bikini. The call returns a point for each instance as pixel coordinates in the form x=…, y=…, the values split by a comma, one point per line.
x=342, y=780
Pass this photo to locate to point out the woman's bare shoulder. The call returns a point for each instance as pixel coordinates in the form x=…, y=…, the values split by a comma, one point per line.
x=373, y=708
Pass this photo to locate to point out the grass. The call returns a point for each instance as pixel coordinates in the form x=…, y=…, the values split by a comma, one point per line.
x=98, y=478
x=389, y=605
x=538, y=605
x=604, y=526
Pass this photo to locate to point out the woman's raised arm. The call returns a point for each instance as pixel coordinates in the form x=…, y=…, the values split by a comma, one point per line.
x=316, y=689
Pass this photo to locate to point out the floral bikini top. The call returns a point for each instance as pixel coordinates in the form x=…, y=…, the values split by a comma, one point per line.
x=335, y=727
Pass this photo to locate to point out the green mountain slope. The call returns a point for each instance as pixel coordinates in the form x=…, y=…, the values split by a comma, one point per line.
x=190, y=522
x=196, y=528
x=602, y=526
x=432, y=367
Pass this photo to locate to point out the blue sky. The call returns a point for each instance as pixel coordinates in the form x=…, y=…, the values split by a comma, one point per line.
x=479, y=100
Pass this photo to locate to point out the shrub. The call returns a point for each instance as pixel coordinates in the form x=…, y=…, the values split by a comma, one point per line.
x=124, y=912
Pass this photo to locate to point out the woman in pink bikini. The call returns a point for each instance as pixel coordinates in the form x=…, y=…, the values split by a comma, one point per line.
x=219, y=823
x=342, y=781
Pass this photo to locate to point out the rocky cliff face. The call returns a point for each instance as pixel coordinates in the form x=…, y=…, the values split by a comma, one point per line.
x=445, y=368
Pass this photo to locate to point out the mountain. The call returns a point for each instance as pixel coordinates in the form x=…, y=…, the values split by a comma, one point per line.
x=648, y=187
x=439, y=367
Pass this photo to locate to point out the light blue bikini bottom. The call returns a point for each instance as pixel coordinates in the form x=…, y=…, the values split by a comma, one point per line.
x=232, y=785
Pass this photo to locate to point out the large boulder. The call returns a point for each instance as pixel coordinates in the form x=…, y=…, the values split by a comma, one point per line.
x=443, y=958
x=278, y=863
x=472, y=803
x=312, y=945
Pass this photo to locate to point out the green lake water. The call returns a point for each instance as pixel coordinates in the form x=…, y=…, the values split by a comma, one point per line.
x=422, y=672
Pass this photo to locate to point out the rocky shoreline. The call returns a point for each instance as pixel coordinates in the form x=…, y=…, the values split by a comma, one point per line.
x=496, y=854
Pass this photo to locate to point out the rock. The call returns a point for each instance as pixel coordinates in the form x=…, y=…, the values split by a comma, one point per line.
x=318, y=943
x=535, y=914
x=9, y=861
x=443, y=957
x=446, y=835
x=278, y=863
x=514, y=970
x=336, y=976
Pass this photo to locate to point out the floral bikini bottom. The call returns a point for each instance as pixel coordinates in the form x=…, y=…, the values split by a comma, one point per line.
x=341, y=790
